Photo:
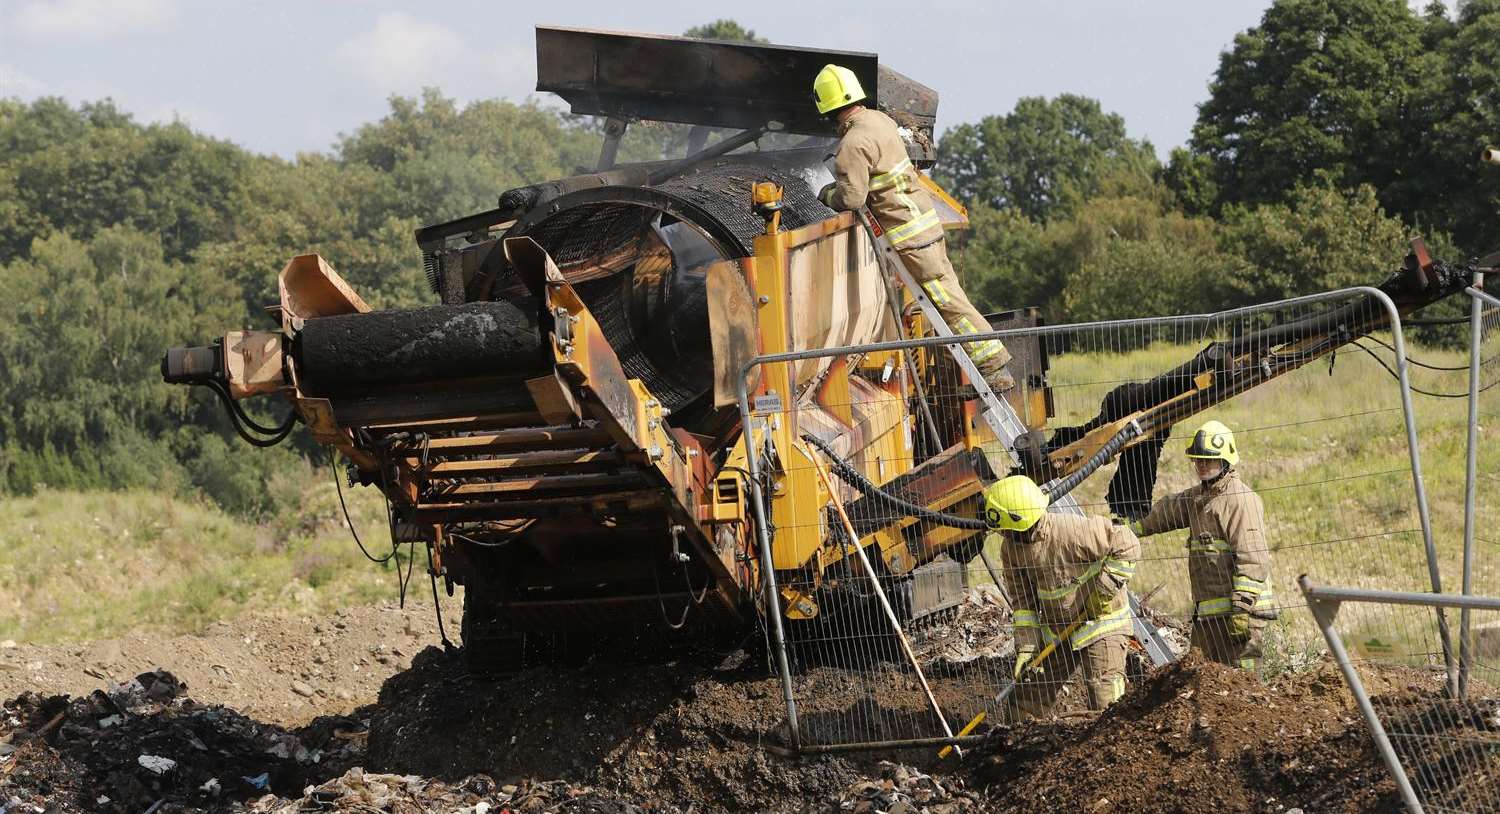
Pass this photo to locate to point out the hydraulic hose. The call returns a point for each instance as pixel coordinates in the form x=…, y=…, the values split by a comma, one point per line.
x=1061, y=486
x=852, y=476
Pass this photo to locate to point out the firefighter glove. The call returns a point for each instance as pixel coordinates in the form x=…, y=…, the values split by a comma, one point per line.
x=1099, y=603
x=825, y=195
x=1023, y=656
x=1244, y=601
x=1239, y=626
x=1131, y=523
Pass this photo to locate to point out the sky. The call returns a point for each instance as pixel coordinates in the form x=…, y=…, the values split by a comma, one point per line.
x=280, y=76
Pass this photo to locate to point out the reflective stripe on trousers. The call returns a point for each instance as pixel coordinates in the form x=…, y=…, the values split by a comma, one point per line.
x=913, y=227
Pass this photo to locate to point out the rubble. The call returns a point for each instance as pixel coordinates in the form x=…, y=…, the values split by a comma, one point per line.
x=979, y=628
x=695, y=732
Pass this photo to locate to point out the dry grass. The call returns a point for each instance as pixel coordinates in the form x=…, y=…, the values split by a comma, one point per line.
x=84, y=565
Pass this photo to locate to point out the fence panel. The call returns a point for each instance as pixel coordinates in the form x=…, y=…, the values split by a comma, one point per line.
x=1444, y=750
x=1322, y=431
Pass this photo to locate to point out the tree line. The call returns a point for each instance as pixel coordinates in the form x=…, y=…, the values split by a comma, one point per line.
x=1332, y=131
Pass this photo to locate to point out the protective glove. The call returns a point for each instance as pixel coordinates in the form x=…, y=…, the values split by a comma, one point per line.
x=1244, y=601
x=1099, y=604
x=1023, y=656
x=1128, y=522
x=1239, y=626
x=825, y=195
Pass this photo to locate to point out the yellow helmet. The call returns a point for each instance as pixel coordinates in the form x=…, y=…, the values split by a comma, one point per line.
x=836, y=87
x=1014, y=504
x=1214, y=441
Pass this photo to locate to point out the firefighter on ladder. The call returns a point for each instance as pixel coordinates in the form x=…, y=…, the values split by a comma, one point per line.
x=1229, y=565
x=1062, y=569
x=871, y=168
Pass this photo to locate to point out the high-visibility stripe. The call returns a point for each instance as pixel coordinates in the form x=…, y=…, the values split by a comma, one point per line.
x=1265, y=600
x=1248, y=664
x=914, y=227
x=1215, y=607
x=936, y=292
x=1050, y=594
x=1248, y=585
x=980, y=351
x=964, y=326
x=1116, y=688
x=1220, y=546
x=1121, y=569
x=1104, y=625
x=1025, y=618
x=894, y=176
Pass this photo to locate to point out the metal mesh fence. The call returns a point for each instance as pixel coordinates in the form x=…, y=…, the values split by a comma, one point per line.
x=1324, y=484
x=1444, y=750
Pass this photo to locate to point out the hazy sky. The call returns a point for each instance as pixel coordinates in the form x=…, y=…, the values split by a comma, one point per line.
x=282, y=76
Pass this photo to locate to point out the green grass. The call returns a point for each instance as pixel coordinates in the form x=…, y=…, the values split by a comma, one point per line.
x=1327, y=452
x=85, y=565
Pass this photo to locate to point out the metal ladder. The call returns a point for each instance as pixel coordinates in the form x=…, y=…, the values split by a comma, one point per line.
x=997, y=414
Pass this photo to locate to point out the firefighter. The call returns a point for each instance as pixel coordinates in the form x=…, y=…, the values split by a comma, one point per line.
x=1229, y=565
x=871, y=168
x=1059, y=569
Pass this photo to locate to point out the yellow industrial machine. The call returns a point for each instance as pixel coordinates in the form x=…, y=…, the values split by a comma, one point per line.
x=562, y=432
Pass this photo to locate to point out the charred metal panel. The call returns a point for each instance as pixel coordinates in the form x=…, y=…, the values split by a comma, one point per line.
x=693, y=81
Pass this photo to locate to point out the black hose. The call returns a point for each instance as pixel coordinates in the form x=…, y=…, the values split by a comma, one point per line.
x=1057, y=488
x=852, y=476
x=275, y=434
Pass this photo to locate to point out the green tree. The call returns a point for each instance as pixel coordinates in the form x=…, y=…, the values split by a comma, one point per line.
x=1447, y=188
x=1043, y=158
x=82, y=330
x=80, y=171
x=1319, y=86
x=724, y=29
x=1324, y=238
x=998, y=260
x=1116, y=256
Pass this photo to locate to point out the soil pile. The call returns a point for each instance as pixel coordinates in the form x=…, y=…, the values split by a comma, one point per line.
x=1202, y=737
x=696, y=730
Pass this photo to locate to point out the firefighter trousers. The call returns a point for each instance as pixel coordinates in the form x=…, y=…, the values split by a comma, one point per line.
x=1211, y=637
x=929, y=266
x=1103, y=663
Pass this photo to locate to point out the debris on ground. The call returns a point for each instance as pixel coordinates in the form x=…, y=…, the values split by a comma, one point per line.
x=696, y=731
x=1198, y=736
x=979, y=628
x=141, y=741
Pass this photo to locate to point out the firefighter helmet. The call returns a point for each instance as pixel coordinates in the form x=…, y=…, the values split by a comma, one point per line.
x=836, y=87
x=1214, y=441
x=1014, y=504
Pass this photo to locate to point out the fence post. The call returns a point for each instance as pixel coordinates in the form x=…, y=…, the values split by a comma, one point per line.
x=1471, y=473
x=1324, y=611
x=1403, y=375
x=767, y=564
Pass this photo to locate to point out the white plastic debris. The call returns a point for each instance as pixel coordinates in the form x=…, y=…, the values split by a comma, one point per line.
x=156, y=764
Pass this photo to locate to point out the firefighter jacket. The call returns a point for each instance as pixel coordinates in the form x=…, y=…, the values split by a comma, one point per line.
x=1050, y=578
x=872, y=167
x=1226, y=542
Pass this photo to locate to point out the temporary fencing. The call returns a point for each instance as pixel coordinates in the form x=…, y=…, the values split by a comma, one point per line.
x=915, y=639
x=1438, y=733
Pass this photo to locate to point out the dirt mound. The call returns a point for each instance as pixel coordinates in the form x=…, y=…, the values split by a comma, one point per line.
x=1200, y=737
x=279, y=669
x=664, y=734
x=691, y=729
